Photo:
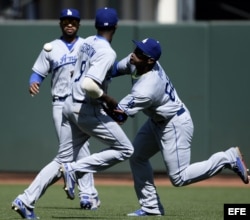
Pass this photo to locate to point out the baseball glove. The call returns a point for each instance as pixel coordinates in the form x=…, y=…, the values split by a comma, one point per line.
x=116, y=114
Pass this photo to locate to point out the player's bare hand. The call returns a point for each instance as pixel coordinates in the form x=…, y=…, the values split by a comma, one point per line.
x=110, y=102
x=34, y=89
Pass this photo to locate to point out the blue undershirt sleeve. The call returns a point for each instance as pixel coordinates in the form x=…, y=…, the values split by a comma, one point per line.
x=36, y=78
x=114, y=72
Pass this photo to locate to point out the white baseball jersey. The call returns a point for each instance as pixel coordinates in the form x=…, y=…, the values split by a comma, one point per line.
x=60, y=62
x=88, y=62
x=159, y=104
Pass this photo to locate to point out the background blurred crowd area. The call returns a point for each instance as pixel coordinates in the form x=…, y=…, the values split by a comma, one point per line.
x=165, y=11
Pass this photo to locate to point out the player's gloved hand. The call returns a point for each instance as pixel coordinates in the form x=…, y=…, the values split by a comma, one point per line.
x=116, y=114
x=120, y=116
x=34, y=89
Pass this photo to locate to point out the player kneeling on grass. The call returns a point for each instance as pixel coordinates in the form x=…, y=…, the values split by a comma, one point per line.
x=168, y=129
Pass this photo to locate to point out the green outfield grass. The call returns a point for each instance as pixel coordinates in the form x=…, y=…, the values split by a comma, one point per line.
x=186, y=203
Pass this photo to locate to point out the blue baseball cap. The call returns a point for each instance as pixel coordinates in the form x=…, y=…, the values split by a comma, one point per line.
x=106, y=17
x=150, y=47
x=70, y=13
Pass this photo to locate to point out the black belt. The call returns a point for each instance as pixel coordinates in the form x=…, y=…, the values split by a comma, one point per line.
x=79, y=101
x=58, y=99
x=179, y=112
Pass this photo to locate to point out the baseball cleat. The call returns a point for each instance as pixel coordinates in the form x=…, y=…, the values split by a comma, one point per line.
x=140, y=212
x=69, y=182
x=240, y=167
x=90, y=204
x=23, y=210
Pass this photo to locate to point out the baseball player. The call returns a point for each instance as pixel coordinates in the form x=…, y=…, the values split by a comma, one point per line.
x=58, y=58
x=83, y=111
x=169, y=129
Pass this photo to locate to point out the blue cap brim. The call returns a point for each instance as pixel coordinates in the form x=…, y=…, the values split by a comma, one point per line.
x=64, y=17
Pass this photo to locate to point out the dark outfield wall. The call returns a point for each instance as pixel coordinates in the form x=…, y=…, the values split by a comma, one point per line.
x=207, y=62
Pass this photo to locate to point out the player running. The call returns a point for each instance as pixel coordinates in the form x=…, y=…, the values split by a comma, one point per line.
x=169, y=129
x=84, y=115
x=58, y=58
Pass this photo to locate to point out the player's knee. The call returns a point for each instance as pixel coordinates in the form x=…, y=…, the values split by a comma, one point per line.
x=177, y=184
x=177, y=181
x=126, y=154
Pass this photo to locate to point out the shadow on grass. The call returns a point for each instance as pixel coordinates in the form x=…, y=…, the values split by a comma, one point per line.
x=83, y=217
x=87, y=214
x=65, y=217
x=60, y=207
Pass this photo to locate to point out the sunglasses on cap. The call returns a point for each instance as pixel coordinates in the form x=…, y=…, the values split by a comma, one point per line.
x=67, y=21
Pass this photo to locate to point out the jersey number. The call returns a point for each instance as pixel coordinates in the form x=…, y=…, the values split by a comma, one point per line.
x=170, y=90
x=82, y=69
